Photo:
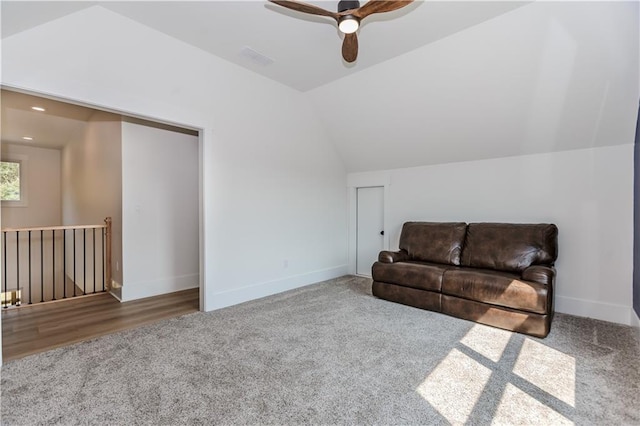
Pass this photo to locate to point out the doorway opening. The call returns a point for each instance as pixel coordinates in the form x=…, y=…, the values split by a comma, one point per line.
x=82, y=164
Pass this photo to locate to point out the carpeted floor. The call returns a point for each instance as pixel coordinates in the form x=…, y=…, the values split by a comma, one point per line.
x=331, y=353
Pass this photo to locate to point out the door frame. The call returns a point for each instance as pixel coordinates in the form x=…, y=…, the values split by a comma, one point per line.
x=364, y=181
x=203, y=268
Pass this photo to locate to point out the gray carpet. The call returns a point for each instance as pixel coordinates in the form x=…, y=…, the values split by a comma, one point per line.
x=331, y=353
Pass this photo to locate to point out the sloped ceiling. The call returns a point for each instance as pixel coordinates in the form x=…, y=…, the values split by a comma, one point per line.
x=464, y=81
x=305, y=48
x=543, y=78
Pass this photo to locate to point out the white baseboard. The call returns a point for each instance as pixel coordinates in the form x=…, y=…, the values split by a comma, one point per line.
x=139, y=290
x=598, y=310
x=257, y=291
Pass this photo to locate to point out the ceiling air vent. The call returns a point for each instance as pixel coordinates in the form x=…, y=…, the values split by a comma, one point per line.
x=255, y=57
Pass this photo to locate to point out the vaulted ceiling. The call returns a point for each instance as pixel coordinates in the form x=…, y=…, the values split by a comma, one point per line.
x=435, y=82
x=305, y=49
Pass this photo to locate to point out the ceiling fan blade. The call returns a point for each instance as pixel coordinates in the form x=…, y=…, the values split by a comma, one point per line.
x=350, y=47
x=305, y=8
x=380, y=6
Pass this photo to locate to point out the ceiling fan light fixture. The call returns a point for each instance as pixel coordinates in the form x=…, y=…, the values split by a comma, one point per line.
x=348, y=17
x=344, y=5
x=348, y=24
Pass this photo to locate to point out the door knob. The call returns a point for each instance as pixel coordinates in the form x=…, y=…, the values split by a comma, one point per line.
x=381, y=232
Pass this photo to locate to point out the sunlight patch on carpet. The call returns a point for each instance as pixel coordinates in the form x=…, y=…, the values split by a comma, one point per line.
x=519, y=408
x=454, y=386
x=552, y=371
x=487, y=341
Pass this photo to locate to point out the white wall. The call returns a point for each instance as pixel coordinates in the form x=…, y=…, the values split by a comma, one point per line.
x=43, y=187
x=92, y=188
x=160, y=211
x=587, y=193
x=272, y=184
x=42, y=168
x=547, y=77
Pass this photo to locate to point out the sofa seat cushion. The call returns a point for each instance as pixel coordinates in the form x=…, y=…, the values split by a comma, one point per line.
x=420, y=275
x=496, y=288
x=407, y=296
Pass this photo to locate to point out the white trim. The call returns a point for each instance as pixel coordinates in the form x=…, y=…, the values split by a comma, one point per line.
x=202, y=304
x=257, y=291
x=23, y=160
x=205, y=145
x=365, y=180
x=352, y=235
x=139, y=290
x=620, y=314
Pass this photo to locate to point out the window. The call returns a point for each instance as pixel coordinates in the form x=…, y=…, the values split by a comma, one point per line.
x=13, y=181
x=10, y=180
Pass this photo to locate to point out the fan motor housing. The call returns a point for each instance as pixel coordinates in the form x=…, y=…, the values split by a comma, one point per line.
x=348, y=5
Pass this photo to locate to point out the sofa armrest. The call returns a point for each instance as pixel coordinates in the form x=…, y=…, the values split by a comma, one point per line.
x=539, y=274
x=393, y=256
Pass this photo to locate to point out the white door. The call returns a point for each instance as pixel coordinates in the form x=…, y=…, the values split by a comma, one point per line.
x=369, y=228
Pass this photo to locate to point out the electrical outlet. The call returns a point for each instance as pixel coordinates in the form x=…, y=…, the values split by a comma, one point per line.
x=285, y=263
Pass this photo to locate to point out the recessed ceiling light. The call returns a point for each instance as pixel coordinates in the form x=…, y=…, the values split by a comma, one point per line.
x=37, y=108
x=27, y=138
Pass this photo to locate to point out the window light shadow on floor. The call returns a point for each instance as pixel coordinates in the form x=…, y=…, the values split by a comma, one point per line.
x=457, y=375
x=459, y=383
x=550, y=370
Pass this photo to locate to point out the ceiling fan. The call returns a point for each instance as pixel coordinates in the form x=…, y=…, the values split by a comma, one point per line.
x=348, y=17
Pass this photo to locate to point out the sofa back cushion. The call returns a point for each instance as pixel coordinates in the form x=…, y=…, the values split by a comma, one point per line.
x=433, y=241
x=509, y=246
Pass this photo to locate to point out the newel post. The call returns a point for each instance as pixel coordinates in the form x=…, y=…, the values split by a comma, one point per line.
x=107, y=233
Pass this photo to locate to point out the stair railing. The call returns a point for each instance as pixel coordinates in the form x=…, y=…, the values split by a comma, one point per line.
x=53, y=263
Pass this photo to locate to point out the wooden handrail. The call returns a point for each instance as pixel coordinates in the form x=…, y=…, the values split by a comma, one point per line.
x=54, y=228
x=107, y=224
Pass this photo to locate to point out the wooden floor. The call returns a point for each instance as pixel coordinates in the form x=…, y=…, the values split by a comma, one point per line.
x=37, y=328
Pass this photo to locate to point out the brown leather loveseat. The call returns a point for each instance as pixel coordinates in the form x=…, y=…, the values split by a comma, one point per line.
x=498, y=274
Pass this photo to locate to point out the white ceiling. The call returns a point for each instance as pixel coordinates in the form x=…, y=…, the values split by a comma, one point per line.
x=305, y=48
x=550, y=76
